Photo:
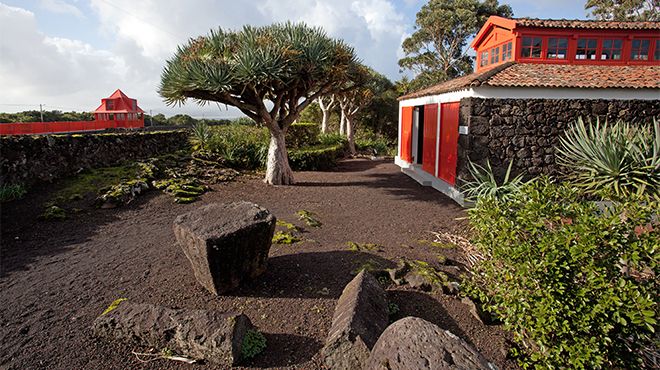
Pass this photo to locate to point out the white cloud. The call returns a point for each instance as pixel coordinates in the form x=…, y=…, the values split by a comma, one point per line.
x=61, y=7
x=143, y=34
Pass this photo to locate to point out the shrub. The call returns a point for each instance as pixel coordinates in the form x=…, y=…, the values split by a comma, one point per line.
x=200, y=135
x=241, y=147
x=332, y=138
x=302, y=134
x=612, y=160
x=11, y=192
x=253, y=344
x=315, y=158
x=484, y=184
x=374, y=144
x=577, y=285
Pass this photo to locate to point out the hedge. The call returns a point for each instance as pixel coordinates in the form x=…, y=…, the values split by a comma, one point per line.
x=315, y=158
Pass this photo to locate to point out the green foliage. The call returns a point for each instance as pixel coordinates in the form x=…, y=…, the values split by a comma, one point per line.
x=201, y=135
x=253, y=344
x=310, y=218
x=368, y=266
x=332, y=139
x=437, y=50
x=49, y=116
x=9, y=192
x=612, y=160
x=392, y=308
x=380, y=115
x=435, y=278
x=53, y=213
x=303, y=134
x=315, y=158
x=624, y=10
x=94, y=181
x=361, y=247
x=374, y=144
x=484, y=184
x=282, y=237
x=287, y=225
x=181, y=120
x=575, y=284
x=240, y=146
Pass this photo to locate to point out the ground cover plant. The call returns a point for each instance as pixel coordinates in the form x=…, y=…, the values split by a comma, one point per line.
x=9, y=192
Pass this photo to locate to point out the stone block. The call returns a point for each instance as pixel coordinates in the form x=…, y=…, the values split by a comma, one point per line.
x=213, y=336
x=226, y=243
x=416, y=344
x=360, y=317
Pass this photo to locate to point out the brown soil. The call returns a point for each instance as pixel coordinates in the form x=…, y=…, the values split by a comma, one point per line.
x=56, y=277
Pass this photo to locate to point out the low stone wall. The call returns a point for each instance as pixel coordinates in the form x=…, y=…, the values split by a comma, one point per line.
x=29, y=160
x=527, y=131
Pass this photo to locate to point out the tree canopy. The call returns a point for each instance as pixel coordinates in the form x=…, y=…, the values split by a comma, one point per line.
x=437, y=50
x=624, y=10
x=270, y=73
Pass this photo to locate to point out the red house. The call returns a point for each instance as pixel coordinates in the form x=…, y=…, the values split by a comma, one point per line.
x=533, y=79
x=121, y=109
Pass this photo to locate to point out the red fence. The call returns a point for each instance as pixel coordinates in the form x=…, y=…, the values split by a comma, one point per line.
x=30, y=128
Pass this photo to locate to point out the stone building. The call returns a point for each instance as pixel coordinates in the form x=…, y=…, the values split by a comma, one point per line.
x=533, y=79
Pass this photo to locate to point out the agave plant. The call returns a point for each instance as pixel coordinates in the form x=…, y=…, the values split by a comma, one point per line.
x=484, y=183
x=612, y=160
x=201, y=135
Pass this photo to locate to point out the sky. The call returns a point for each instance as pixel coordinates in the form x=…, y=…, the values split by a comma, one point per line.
x=68, y=54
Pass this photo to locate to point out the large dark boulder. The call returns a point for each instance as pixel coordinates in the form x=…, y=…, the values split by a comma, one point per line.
x=416, y=344
x=360, y=317
x=226, y=243
x=198, y=334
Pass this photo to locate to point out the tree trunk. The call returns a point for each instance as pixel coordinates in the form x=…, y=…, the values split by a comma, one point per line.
x=350, y=134
x=342, y=123
x=278, y=171
x=324, y=122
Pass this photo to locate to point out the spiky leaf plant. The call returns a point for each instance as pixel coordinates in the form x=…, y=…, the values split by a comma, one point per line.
x=270, y=73
x=485, y=185
x=612, y=160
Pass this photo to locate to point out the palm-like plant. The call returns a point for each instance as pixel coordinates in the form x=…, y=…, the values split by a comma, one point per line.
x=612, y=160
x=288, y=65
x=485, y=185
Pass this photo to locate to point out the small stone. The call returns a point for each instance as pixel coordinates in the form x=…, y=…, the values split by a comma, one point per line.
x=451, y=288
x=226, y=243
x=360, y=317
x=416, y=344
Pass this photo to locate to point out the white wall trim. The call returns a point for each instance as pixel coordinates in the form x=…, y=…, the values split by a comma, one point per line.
x=440, y=98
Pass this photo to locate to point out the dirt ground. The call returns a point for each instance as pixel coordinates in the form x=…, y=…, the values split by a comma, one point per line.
x=56, y=277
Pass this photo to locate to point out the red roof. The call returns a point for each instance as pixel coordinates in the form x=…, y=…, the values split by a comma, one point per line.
x=586, y=24
x=552, y=76
x=122, y=104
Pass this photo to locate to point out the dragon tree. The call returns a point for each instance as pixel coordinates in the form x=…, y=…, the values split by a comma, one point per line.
x=269, y=73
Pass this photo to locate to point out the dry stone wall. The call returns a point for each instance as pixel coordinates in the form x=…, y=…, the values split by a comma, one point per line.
x=527, y=131
x=29, y=159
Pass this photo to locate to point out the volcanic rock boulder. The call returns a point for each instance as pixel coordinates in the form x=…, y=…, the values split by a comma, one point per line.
x=226, y=243
x=416, y=344
x=360, y=317
x=198, y=334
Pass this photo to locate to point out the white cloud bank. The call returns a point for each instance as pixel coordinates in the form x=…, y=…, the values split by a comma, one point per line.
x=36, y=68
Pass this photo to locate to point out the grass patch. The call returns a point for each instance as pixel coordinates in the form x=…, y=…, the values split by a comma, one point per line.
x=11, y=192
x=282, y=237
x=94, y=181
x=287, y=225
x=430, y=274
x=310, y=218
x=361, y=247
x=368, y=266
x=53, y=213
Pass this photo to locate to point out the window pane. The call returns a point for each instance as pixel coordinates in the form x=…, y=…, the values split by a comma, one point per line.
x=618, y=44
x=527, y=41
x=537, y=42
x=526, y=52
x=657, y=50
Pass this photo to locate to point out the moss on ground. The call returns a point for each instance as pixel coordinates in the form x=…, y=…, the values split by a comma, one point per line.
x=362, y=247
x=310, y=218
x=430, y=274
x=282, y=237
x=93, y=182
x=289, y=226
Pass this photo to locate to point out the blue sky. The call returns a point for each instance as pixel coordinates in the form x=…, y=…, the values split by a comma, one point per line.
x=68, y=54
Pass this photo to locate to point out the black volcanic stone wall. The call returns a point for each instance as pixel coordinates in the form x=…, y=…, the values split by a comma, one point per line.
x=528, y=130
x=30, y=159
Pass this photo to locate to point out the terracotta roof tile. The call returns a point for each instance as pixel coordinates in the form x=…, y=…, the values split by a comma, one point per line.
x=552, y=76
x=589, y=24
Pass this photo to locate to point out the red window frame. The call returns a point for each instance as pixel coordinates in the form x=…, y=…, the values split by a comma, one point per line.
x=589, y=47
x=637, y=50
x=557, y=46
x=495, y=55
x=608, y=46
x=484, y=58
x=506, y=51
x=656, y=54
x=529, y=46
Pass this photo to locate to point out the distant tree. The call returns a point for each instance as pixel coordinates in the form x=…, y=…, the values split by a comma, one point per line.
x=381, y=113
x=181, y=120
x=624, y=10
x=312, y=113
x=437, y=50
x=355, y=95
x=288, y=65
x=326, y=103
x=159, y=119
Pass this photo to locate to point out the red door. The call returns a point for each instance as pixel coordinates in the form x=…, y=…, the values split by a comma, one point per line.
x=448, y=142
x=430, y=138
x=406, y=133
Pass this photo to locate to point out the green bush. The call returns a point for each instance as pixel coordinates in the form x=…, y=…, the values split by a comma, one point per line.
x=315, y=158
x=612, y=160
x=302, y=134
x=332, y=138
x=374, y=144
x=11, y=192
x=484, y=184
x=576, y=284
x=240, y=146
